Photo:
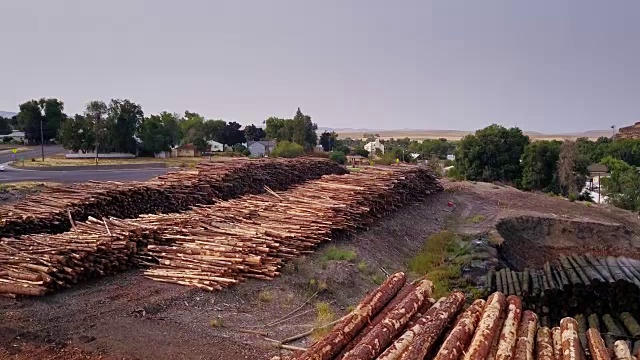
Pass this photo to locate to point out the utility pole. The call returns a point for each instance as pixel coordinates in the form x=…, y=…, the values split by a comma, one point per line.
x=41, y=139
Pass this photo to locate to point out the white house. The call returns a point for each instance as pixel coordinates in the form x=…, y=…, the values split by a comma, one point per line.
x=16, y=136
x=451, y=157
x=373, y=146
x=261, y=148
x=215, y=146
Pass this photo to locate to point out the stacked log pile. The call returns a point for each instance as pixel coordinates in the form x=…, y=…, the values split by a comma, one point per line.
x=496, y=329
x=50, y=211
x=574, y=284
x=212, y=246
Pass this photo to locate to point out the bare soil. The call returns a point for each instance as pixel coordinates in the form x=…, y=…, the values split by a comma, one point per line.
x=130, y=317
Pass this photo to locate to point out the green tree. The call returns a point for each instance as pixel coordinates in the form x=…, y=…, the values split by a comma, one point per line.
x=254, y=133
x=231, y=134
x=328, y=140
x=539, y=165
x=492, y=154
x=193, y=128
x=623, y=186
x=41, y=118
x=5, y=128
x=572, y=169
x=124, y=119
x=304, y=131
x=338, y=157
x=96, y=113
x=361, y=151
x=213, y=129
x=77, y=134
x=287, y=149
x=160, y=132
x=276, y=129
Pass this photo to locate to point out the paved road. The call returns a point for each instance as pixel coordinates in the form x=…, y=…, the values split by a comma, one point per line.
x=34, y=153
x=14, y=175
x=11, y=175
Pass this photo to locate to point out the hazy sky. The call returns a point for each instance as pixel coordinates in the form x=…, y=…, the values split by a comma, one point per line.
x=544, y=65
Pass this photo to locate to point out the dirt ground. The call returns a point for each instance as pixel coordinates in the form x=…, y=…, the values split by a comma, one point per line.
x=130, y=317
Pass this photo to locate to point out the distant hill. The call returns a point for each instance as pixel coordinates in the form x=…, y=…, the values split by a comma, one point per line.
x=8, y=114
x=418, y=134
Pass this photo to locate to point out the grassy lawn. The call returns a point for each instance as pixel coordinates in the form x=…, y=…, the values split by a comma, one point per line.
x=60, y=160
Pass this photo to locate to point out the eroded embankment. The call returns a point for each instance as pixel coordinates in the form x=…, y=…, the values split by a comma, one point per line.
x=530, y=241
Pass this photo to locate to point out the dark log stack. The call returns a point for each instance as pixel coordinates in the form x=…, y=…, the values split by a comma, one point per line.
x=209, y=182
x=212, y=246
x=574, y=284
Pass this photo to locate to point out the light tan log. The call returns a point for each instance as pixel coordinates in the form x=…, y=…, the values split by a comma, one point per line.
x=571, y=348
x=487, y=328
x=544, y=344
x=556, y=334
x=621, y=350
x=508, y=335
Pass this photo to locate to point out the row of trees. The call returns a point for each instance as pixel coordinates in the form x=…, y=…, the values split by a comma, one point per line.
x=121, y=126
x=496, y=153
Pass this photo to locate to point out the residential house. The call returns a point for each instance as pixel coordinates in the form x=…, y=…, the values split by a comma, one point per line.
x=356, y=160
x=318, y=149
x=188, y=150
x=17, y=136
x=215, y=146
x=373, y=146
x=261, y=148
x=451, y=157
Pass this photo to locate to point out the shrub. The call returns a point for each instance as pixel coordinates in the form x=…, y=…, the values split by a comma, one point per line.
x=338, y=157
x=7, y=139
x=287, y=149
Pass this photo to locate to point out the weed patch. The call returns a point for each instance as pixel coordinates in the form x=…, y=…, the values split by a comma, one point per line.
x=324, y=316
x=335, y=253
x=441, y=260
x=477, y=219
x=265, y=296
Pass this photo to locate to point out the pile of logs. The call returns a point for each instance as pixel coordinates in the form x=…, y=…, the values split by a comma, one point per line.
x=402, y=323
x=574, y=284
x=212, y=246
x=50, y=211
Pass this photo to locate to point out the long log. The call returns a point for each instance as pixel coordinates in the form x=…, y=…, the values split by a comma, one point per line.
x=525, y=342
x=487, y=328
x=419, y=340
x=460, y=337
x=557, y=342
x=508, y=335
x=544, y=344
x=339, y=336
x=384, y=333
x=597, y=347
x=571, y=348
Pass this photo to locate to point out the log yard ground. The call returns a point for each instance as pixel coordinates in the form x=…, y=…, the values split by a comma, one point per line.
x=274, y=249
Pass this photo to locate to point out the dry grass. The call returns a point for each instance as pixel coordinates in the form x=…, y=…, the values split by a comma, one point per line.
x=26, y=185
x=265, y=296
x=324, y=316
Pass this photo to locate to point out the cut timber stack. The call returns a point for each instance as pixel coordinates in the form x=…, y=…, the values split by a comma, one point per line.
x=50, y=211
x=497, y=328
x=574, y=284
x=213, y=246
